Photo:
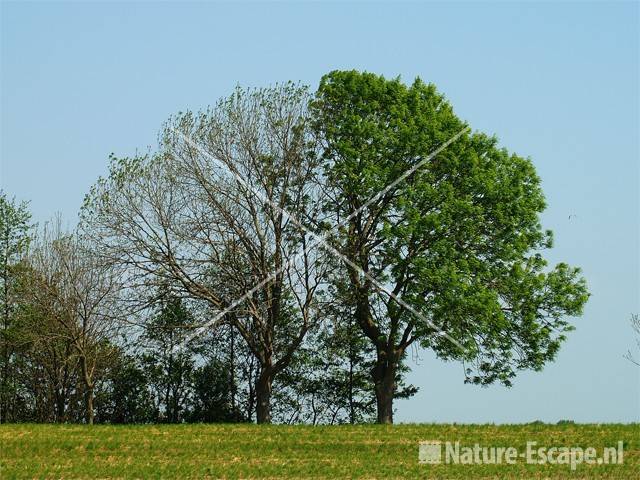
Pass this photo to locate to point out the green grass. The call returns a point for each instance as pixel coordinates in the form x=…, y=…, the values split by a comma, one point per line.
x=252, y=451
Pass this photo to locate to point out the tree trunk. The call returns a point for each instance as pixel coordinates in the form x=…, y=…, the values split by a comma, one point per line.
x=232, y=369
x=263, y=395
x=352, y=411
x=4, y=403
x=89, y=384
x=90, y=413
x=60, y=405
x=384, y=377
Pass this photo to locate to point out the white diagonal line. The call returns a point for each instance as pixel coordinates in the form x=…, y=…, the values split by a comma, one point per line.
x=322, y=240
x=404, y=175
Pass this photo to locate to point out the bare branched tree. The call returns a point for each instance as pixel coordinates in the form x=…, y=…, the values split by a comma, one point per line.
x=635, y=324
x=79, y=296
x=206, y=214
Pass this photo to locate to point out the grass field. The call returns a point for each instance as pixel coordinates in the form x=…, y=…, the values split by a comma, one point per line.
x=252, y=451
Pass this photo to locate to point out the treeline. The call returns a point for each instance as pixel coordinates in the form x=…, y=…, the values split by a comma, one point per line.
x=141, y=369
x=276, y=259
x=145, y=368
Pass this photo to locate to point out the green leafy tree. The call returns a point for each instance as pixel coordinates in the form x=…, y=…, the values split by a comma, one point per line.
x=347, y=359
x=328, y=381
x=15, y=235
x=212, y=400
x=350, y=357
x=230, y=393
x=46, y=366
x=458, y=240
x=166, y=363
x=126, y=397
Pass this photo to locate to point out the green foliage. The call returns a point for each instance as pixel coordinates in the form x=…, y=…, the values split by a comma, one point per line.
x=459, y=239
x=166, y=363
x=126, y=397
x=15, y=229
x=212, y=401
x=329, y=380
x=15, y=236
x=184, y=391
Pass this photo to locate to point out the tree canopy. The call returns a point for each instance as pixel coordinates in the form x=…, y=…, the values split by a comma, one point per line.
x=459, y=239
x=277, y=257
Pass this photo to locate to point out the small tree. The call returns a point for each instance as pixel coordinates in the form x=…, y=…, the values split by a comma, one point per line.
x=635, y=325
x=80, y=295
x=126, y=396
x=45, y=359
x=328, y=381
x=15, y=236
x=212, y=400
x=169, y=368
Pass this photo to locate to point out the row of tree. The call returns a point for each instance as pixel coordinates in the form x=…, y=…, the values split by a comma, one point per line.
x=276, y=258
x=72, y=352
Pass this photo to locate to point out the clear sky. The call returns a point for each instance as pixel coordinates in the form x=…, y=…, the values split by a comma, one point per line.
x=557, y=82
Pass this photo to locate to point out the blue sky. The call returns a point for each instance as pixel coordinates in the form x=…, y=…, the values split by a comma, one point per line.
x=557, y=82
